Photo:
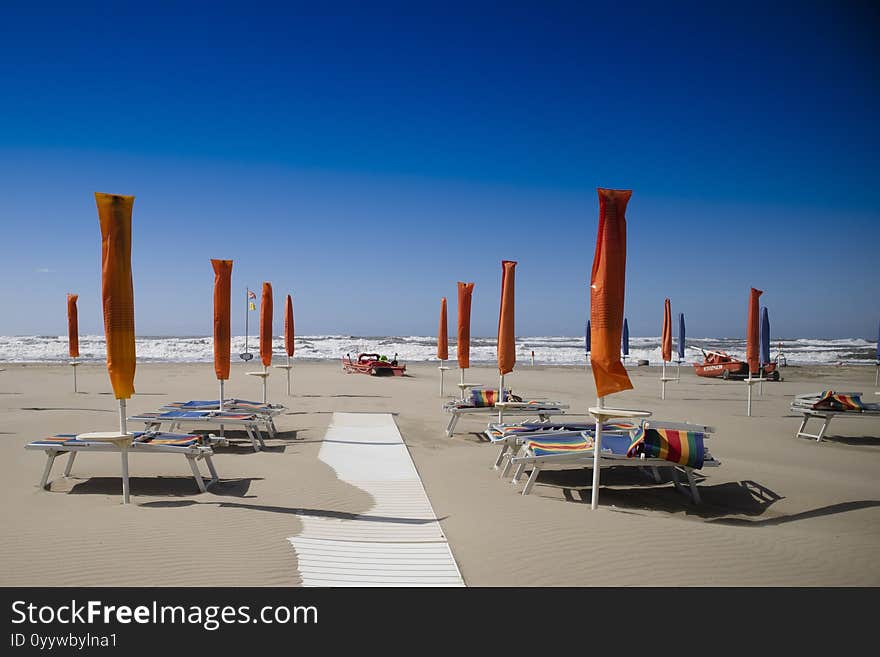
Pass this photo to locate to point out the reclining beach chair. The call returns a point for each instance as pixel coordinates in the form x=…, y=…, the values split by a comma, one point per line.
x=193, y=447
x=826, y=405
x=512, y=435
x=653, y=445
x=175, y=419
x=266, y=412
x=482, y=401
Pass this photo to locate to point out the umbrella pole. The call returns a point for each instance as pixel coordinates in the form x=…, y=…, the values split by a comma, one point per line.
x=221, y=395
x=761, y=384
x=123, y=446
x=288, y=376
x=442, y=369
x=73, y=364
x=501, y=398
x=597, y=446
x=877, y=375
x=749, y=382
x=461, y=391
x=265, y=376
x=663, y=381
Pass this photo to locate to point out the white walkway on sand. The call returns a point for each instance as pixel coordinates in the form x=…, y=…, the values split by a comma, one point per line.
x=398, y=542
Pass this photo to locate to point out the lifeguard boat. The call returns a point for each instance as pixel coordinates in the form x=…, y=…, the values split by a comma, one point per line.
x=723, y=365
x=373, y=364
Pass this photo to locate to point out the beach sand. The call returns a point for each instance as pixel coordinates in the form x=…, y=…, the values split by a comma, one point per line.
x=779, y=511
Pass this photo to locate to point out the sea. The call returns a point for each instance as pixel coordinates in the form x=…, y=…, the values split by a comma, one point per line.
x=546, y=350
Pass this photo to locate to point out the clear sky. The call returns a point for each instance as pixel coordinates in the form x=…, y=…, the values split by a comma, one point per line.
x=366, y=156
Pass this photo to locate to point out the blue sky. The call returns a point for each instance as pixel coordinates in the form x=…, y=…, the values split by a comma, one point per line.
x=364, y=159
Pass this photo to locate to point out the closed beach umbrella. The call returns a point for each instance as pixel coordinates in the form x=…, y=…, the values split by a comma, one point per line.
x=607, y=290
x=222, y=320
x=288, y=338
x=288, y=326
x=442, y=342
x=607, y=287
x=506, y=330
x=666, y=346
x=666, y=340
x=681, y=336
x=463, y=345
x=266, y=325
x=587, y=338
x=752, y=331
x=117, y=294
x=752, y=342
x=117, y=290
x=73, y=334
x=72, y=326
x=765, y=337
x=442, y=333
x=625, y=342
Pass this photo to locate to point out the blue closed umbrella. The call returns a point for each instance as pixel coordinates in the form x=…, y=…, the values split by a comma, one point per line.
x=764, y=337
x=878, y=343
x=587, y=337
x=625, y=341
x=681, y=336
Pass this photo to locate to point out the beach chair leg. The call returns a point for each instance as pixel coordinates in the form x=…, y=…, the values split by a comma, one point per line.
x=695, y=494
x=450, y=428
x=51, y=456
x=270, y=428
x=518, y=473
x=222, y=431
x=198, y=475
x=508, y=464
x=500, y=456
x=210, y=462
x=259, y=435
x=69, y=464
x=824, y=427
x=253, y=438
x=800, y=431
x=532, y=478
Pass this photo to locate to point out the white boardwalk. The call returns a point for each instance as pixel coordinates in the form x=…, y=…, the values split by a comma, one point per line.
x=398, y=542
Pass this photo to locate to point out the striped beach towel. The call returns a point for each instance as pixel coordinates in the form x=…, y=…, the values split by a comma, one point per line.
x=561, y=445
x=483, y=397
x=838, y=401
x=681, y=447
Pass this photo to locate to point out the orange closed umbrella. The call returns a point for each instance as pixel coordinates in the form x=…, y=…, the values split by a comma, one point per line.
x=607, y=288
x=753, y=331
x=288, y=337
x=266, y=325
x=463, y=341
x=288, y=326
x=117, y=290
x=442, y=342
x=753, y=341
x=442, y=333
x=665, y=345
x=72, y=326
x=506, y=330
x=222, y=320
x=73, y=333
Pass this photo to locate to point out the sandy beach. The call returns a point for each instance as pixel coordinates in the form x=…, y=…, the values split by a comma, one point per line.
x=780, y=511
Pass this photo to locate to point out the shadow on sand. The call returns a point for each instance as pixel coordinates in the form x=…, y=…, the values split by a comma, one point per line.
x=161, y=486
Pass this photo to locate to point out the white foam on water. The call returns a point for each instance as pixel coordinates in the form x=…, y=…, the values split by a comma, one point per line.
x=549, y=350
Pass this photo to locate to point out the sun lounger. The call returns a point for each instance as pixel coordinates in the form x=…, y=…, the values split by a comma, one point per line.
x=483, y=402
x=826, y=405
x=654, y=445
x=511, y=436
x=175, y=419
x=150, y=442
x=266, y=412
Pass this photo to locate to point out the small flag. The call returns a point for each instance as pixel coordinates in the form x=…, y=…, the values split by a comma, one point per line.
x=251, y=295
x=251, y=306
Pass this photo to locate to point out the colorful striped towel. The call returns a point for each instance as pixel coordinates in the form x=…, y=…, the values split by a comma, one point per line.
x=560, y=445
x=838, y=401
x=486, y=397
x=681, y=447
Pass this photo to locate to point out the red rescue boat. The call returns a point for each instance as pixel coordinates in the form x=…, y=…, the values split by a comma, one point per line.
x=723, y=365
x=373, y=364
